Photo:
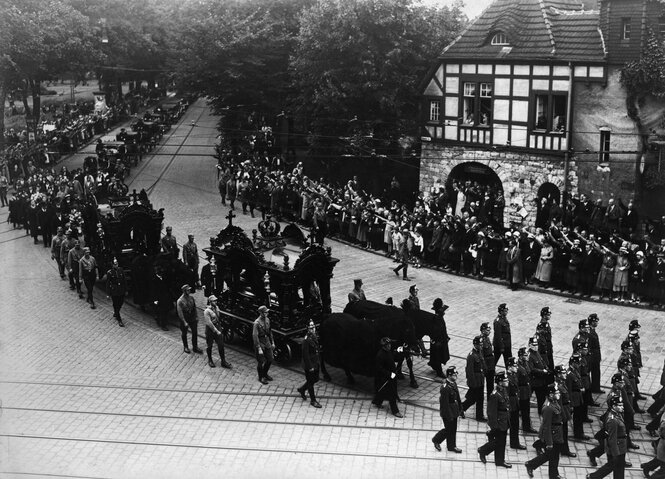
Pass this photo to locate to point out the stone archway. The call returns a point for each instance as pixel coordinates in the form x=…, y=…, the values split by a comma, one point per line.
x=550, y=191
x=480, y=179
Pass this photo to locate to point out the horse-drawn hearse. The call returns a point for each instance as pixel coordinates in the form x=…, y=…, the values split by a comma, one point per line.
x=279, y=269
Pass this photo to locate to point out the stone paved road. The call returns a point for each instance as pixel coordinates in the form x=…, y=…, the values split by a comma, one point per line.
x=84, y=398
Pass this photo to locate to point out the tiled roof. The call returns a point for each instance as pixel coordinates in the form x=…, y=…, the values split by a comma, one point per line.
x=535, y=29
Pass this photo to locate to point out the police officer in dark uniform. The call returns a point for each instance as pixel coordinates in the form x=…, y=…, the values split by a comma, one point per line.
x=116, y=286
x=575, y=388
x=544, y=332
x=560, y=378
x=475, y=379
x=502, y=336
x=616, y=443
x=539, y=373
x=488, y=356
x=524, y=382
x=384, y=378
x=514, y=397
x=617, y=389
x=550, y=436
x=450, y=408
x=582, y=335
x=498, y=419
x=594, y=354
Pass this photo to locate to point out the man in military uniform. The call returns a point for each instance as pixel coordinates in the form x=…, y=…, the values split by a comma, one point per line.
x=594, y=354
x=186, y=307
x=502, y=337
x=560, y=378
x=116, y=287
x=162, y=300
x=450, y=408
x=618, y=389
x=576, y=390
x=190, y=256
x=264, y=344
x=74, y=256
x=385, y=387
x=524, y=382
x=214, y=332
x=357, y=293
x=616, y=443
x=169, y=243
x=56, y=244
x=498, y=419
x=634, y=338
x=67, y=244
x=311, y=364
x=544, y=333
x=550, y=435
x=514, y=397
x=475, y=378
x=582, y=335
x=539, y=373
x=488, y=356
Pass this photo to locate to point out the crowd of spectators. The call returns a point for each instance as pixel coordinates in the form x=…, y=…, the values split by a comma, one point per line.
x=576, y=246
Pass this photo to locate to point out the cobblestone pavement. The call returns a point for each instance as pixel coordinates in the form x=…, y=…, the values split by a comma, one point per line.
x=82, y=397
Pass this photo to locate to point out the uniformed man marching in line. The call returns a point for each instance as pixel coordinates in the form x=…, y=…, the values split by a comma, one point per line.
x=475, y=379
x=576, y=391
x=450, y=408
x=514, y=396
x=498, y=419
x=539, y=373
x=310, y=363
x=550, y=436
x=615, y=443
x=488, y=356
x=544, y=332
x=214, y=332
x=524, y=381
x=116, y=286
x=560, y=378
x=594, y=354
x=502, y=336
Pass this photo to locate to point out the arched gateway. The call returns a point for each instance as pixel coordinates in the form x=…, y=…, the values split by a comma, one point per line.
x=482, y=186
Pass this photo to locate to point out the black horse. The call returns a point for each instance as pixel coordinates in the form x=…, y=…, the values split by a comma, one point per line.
x=391, y=322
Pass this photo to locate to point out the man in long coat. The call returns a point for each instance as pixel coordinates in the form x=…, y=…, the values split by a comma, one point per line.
x=384, y=378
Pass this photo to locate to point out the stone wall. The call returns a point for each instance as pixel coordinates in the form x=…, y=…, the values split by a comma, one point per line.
x=521, y=174
x=597, y=106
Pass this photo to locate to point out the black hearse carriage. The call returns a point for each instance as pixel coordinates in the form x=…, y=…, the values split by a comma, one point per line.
x=279, y=269
x=126, y=227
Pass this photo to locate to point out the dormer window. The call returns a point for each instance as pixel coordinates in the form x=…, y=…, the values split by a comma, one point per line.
x=500, y=38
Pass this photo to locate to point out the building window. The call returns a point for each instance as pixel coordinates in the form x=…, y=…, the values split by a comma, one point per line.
x=477, y=104
x=604, y=152
x=500, y=39
x=549, y=112
x=625, y=28
x=434, y=110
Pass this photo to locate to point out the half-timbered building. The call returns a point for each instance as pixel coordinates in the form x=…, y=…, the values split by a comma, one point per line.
x=529, y=98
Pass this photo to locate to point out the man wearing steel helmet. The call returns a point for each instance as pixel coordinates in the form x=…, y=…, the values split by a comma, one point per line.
x=450, y=408
x=616, y=443
x=550, y=435
x=475, y=378
x=498, y=419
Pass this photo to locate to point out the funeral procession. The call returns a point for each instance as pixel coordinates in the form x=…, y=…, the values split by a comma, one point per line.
x=332, y=239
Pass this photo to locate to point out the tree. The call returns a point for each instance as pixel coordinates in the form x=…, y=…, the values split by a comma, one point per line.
x=365, y=59
x=237, y=53
x=42, y=40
